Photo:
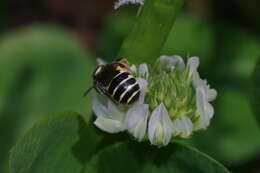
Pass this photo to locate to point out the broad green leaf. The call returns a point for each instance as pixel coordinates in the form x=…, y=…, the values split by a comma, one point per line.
x=255, y=91
x=60, y=143
x=43, y=70
x=54, y=145
x=142, y=158
x=149, y=33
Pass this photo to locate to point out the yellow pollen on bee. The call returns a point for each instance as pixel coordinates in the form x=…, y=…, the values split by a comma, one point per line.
x=118, y=68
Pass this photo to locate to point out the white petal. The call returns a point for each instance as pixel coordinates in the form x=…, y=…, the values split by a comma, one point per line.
x=143, y=70
x=143, y=86
x=183, y=127
x=119, y=3
x=196, y=80
x=101, y=61
x=108, y=125
x=136, y=121
x=98, y=108
x=179, y=61
x=173, y=61
x=205, y=111
x=133, y=68
x=114, y=113
x=200, y=98
x=160, y=126
x=193, y=64
x=209, y=110
x=135, y=114
x=140, y=129
x=142, y=83
x=211, y=94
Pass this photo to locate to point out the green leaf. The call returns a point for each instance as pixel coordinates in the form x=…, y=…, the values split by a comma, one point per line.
x=60, y=143
x=55, y=144
x=150, y=31
x=141, y=158
x=255, y=91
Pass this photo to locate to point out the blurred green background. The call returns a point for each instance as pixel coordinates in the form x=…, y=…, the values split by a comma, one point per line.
x=48, y=50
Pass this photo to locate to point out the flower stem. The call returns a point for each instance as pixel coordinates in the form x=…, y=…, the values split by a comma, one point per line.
x=149, y=33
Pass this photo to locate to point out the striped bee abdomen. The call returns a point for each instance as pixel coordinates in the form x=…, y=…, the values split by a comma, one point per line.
x=131, y=95
x=116, y=81
x=124, y=88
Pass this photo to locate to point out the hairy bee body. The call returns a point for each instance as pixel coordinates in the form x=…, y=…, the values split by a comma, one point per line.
x=116, y=81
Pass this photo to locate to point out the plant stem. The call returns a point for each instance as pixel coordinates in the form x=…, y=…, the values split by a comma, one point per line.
x=149, y=33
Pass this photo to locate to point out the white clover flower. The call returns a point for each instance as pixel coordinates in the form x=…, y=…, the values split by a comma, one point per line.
x=174, y=102
x=120, y=3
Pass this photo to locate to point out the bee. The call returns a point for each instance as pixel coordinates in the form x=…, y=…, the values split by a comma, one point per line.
x=117, y=82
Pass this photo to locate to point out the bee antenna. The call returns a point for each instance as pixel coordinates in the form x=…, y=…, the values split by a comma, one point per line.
x=87, y=91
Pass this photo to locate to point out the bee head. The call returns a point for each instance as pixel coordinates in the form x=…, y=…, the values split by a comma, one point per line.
x=104, y=74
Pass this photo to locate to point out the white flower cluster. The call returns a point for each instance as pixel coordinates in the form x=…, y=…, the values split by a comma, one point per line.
x=157, y=123
x=120, y=3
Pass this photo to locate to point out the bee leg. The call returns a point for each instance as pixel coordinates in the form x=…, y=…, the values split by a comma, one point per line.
x=87, y=91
